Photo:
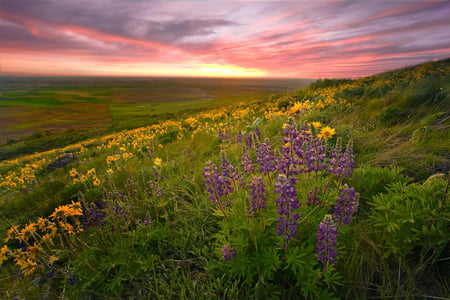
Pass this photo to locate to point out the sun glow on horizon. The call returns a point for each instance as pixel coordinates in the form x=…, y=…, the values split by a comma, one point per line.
x=218, y=70
x=26, y=64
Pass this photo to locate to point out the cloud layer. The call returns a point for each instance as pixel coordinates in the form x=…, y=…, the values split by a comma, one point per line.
x=237, y=38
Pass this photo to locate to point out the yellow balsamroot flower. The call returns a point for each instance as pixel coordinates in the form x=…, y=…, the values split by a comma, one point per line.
x=34, y=250
x=96, y=182
x=326, y=133
x=73, y=172
x=109, y=171
x=3, y=252
x=76, y=209
x=160, y=146
x=70, y=210
x=12, y=233
x=28, y=231
x=125, y=155
x=91, y=172
x=157, y=161
x=42, y=223
x=28, y=266
x=60, y=212
x=316, y=124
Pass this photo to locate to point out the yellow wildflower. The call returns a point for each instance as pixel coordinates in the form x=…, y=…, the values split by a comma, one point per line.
x=28, y=231
x=157, y=161
x=28, y=266
x=3, y=252
x=326, y=133
x=12, y=233
x=42, y=223
x=73, y=172
x=160, y=146
x=34, y=250
x=61, y=212
x=91, y=172
x=96, y=182
x=316, y=124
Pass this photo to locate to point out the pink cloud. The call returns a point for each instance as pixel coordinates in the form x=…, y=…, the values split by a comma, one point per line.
x=289, y=39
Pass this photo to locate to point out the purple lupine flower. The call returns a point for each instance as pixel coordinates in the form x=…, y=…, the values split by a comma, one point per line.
x=218, y=183
x=348, y=161
x=222, y=136
x=248, y=142
x=289, y=160
x=212, y=182
x=342, y=164
x=326, y=241
x=147, y=219
x=287, y=204
x=258, y=192
x=315, y=155
x=265, y=157
x=258, y=133
x=94, y=215
x=247, y=163
x=301, y=145
x=346, y=206
x=228, y=252
x=72, y=281
x=229, y=171
x=239, y=137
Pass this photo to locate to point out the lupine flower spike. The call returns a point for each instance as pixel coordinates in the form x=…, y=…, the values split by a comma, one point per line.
x=326, y=241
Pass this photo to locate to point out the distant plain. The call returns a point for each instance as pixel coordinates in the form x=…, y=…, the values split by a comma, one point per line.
x=30, y=105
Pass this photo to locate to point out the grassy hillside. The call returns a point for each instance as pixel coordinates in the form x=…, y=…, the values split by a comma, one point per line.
x=338, y=190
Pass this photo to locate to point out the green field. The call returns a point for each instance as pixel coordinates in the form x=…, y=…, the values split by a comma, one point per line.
x=36, y=109
x=338, y=190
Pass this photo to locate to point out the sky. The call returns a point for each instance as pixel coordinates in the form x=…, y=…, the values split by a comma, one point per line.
x=288, y=39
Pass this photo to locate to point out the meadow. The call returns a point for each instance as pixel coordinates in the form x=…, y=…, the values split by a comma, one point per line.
x=338, y=190
x=42, y=113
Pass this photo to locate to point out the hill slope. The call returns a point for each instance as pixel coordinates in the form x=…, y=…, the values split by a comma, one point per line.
x=302, y=195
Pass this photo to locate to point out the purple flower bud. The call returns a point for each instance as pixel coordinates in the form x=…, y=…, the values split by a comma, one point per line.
x=248, y=142
x=258, y=192
x=342, y=164
x=326, y=241
x=147, y=219
x=287, y=204
x=219, y=183
x=258, y=133
x=247, y=163
x=228, y=252
x=72, y=281
x=222, y=136
x=265, y=157
x=346, y=206
x=239, y=137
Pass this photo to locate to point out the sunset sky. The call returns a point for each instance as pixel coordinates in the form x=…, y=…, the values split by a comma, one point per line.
x=298, y=39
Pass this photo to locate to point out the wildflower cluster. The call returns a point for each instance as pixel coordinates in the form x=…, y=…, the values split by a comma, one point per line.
x=89, y=177
x=37, y=244
x=299, y=181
